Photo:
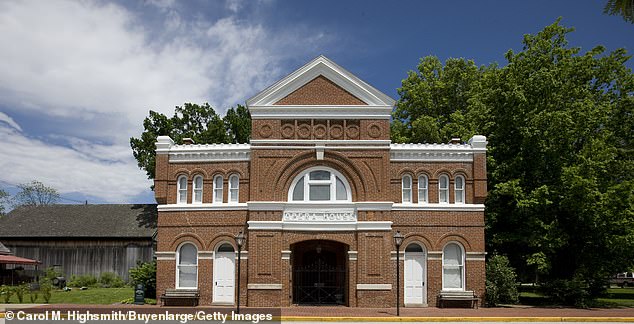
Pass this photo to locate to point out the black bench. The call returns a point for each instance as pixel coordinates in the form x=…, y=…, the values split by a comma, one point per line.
x=180, y=297
x=458, y=296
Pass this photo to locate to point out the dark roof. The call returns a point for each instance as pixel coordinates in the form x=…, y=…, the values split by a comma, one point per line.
x=81, y=221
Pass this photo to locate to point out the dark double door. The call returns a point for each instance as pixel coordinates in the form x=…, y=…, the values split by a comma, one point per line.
x=319, y=273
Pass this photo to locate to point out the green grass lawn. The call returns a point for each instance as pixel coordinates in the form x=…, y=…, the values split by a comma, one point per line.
x=615, y=297
x=103, y=296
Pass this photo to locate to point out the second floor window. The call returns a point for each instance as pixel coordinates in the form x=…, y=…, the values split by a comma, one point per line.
x=181, y=190
x=406, y=189
x=198, y=189
x=218, y=189
x=459, y=190
x=443, y=189
x=234, y=188
x=422, y=189
x=320, y=185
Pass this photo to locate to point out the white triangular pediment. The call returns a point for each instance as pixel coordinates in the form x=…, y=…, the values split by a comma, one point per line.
x=321, y=66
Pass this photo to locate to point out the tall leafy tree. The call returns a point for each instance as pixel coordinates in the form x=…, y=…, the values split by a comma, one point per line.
x=3, y=199
x=35, y=193
x=435, y=101
x=560, y=161
x=198, y=122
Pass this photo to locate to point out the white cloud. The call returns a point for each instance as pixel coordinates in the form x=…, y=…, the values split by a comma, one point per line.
x=99, y=67
x=70, y=170
x=5, y=118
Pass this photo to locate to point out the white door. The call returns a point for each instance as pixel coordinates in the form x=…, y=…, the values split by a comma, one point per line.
x=415, y=274
x=224, y=277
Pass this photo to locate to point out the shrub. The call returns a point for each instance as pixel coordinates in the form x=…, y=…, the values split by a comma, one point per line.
x=33, y=295
x=501, y=282
x=46, y=288
x=571, y=292
x=51, y=273
x=145, y=273
x=86, y=280
x=20, y=291
x=6, y=292
x=111, y=280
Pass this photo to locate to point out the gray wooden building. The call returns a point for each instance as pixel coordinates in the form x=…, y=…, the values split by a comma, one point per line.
x=82, y=239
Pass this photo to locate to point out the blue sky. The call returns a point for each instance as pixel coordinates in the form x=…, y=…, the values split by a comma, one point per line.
x=78, y=77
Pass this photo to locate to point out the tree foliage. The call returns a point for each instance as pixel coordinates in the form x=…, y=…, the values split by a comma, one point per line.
x=623, y=8
x=501, y=281
x=4, y=198
x=35, y=193
x=560, y=160
x=198, y=122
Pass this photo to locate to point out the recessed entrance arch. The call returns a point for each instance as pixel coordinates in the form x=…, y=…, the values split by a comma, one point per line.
x=320, y=271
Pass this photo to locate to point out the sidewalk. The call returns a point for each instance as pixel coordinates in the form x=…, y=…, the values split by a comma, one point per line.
x=338, y=314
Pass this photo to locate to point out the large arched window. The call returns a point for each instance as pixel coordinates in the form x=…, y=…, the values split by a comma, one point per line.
x=453, y=267
x=198, y=189
x=187, y=266
x=320, y=184
x=422, y=189
x=459, y=190
x=443, y=189
x=406, y=189
x=234, y=188
x=218, y=189
x=181, y=190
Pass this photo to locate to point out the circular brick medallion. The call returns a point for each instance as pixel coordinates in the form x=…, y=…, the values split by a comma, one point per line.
x=320, y=131
x=353, y=131
x=303, y=131
x=265, y=131
x=288, y=131
x=374, y=131
x=336, y=131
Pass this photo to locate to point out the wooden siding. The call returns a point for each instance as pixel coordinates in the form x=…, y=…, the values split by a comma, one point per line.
x=77, y=257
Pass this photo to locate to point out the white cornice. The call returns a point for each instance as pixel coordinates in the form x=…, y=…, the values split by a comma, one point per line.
x=320, y=112
x=330, y=70
x=320, y=226
x=282, y=205
x=440, y=207
x=201, y=207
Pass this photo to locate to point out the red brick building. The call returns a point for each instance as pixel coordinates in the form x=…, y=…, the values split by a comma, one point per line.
x=319, y=193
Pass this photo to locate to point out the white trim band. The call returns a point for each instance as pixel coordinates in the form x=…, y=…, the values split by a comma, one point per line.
x=256, y=286
x=202, y=207
x=440, y=207
x=321, y=226
x=374, y=286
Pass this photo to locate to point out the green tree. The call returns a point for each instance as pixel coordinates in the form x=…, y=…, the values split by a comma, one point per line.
x=501, y=281
x=198, y=122
x=435, y=101
x=624, y=8
x=35, y=193
x=560, y=160
x=561, y=166
x=4, y=198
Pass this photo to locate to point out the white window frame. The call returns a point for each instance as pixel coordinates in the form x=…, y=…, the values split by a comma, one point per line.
x=179, y=188
x=234, y=191
x=441, y=189
x=334, y=174
x=405, y=189
x=197, y=189
x=178, y=260
x=459, y=192
x=218, y=189
x=461, y=265
x=423, y=191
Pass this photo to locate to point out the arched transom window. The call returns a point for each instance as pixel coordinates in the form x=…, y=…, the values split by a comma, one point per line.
x=320, y=184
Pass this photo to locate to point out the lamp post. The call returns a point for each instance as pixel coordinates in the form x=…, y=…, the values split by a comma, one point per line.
x=240, y=240
x=398, y=240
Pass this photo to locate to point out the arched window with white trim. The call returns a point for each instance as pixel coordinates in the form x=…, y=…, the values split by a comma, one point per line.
x=234, y=188
x=218, y=180
x=406, y=189
x=459, y=185
x=443, y=189
x=320, y=184
x=423, y=189
x=187, y=267
x=453, y=267
x=198, y=189
x=181, y=190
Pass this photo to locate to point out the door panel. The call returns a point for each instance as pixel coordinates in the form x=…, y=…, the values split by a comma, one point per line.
x=415, y=276
x=224, y=277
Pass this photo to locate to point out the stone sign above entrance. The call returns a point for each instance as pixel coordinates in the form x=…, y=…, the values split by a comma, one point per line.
x=320, y=215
